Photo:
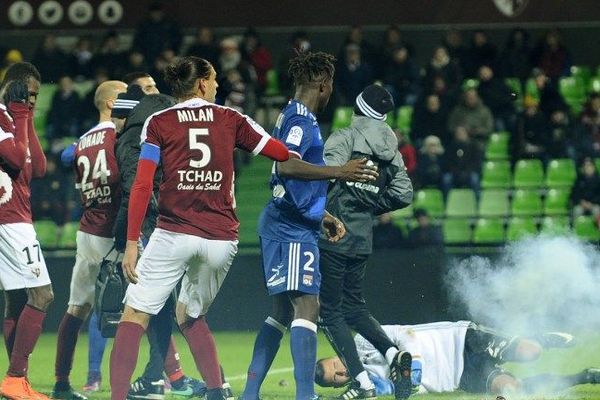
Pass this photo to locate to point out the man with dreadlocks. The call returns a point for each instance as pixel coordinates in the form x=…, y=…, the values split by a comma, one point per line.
x=290, y=224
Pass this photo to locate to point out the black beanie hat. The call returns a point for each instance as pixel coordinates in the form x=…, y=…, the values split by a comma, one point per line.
x=374, y=102
x=126, y=101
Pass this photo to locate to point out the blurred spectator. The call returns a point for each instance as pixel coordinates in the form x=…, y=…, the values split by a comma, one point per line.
x=50, y=60
x=425, y=233
x=550, y=98
x=392, y=39
x=401, y=77
x=585, y=195
x=80, y=59
x=368, y=51
x=258, y=56
x=205, y=46
x=472, y=115
x=63, y=116
x=386, y=235
x=135, y=62
x=109, y=57
x=531, y=137
x=498, y=97
x=88, y=110
x=559, y=143
x=430, y=118
x=408, y=152
x=158, y=70
x=298, y=42
x=12, y=56
x=481, y=52
x=462, y=163
x=157, y=33
x=237, y=91
x=49, y=196
x=515, y=59
x=442, y=66
x=352, y=74
x=453, y=42
x=429, y=163
x=231, y=59
x=552, y=56
x=588, y=130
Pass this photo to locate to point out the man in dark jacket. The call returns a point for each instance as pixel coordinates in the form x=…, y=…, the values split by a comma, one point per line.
x=343, y=263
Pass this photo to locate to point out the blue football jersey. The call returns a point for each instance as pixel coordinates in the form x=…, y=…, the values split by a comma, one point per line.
x=297, y=207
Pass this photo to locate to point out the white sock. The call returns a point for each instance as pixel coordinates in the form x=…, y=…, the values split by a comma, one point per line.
x=390, y=354
x=365, y=382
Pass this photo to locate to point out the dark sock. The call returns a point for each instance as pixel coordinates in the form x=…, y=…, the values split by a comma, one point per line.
x=202, y=346
x=178, y=383
x=8, y=329
x=27, y=334
x=68, y=332
x=303, y=341
x=123, y=358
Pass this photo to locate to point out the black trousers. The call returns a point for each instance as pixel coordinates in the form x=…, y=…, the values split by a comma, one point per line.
x=343, y=308
x=159, y=332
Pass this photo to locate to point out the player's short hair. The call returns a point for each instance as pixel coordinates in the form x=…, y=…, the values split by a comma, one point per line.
x=320, y=374
x=308, y=67
x=182, y=73
x=21, y=71
x=134, y=76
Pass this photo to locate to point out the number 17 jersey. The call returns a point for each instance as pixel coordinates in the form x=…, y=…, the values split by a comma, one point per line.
x=196, y=140
x=97, y=178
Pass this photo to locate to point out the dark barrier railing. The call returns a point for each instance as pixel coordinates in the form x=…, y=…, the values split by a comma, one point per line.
x=401, y=286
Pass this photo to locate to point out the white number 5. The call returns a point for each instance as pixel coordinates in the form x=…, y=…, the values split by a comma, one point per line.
x=196, y=145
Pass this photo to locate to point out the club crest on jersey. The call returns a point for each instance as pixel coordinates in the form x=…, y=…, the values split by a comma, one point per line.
x=6, y=188
x=295, y=136
x=307, y=280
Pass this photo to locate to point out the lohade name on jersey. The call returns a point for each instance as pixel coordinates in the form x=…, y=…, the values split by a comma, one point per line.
x=100, y=195
x=92, y=139
x=199, y=180
x=196, y=115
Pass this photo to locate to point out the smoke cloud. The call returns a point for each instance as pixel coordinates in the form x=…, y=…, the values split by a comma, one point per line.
x=538, y=284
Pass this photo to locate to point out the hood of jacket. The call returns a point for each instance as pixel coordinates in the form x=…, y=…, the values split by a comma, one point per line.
x=374, y=137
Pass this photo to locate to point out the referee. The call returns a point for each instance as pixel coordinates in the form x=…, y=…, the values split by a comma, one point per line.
x=343, y=263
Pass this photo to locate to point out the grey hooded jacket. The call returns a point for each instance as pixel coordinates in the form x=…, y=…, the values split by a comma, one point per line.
x=356, y=204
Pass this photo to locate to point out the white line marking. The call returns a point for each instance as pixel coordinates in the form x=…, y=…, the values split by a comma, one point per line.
x=271, y=372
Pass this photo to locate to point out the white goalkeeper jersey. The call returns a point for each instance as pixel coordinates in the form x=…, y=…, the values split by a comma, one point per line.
x=438, y=345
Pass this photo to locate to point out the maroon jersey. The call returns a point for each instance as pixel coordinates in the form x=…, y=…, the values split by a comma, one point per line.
x=97, y=178
x=15, y=193
x=196, y=141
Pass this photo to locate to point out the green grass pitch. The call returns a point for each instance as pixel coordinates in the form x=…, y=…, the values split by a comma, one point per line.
x=235, y=349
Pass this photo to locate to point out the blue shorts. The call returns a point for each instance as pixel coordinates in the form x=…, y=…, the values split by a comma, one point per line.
x=290, y=266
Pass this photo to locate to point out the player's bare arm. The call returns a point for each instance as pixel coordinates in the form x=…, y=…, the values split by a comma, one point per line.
x=334, y=228
x=130, y=260
x=354, y=170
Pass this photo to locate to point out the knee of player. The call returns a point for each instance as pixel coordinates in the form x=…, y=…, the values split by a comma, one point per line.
x=505, y=384
x=528, y=350
x=41, y=297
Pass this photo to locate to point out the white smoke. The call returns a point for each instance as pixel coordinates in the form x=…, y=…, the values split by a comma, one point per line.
x=538, y=284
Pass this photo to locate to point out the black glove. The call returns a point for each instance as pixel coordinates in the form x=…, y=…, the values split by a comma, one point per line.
x=16, y=92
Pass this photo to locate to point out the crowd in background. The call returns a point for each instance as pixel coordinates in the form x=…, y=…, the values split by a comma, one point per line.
x=451, y=122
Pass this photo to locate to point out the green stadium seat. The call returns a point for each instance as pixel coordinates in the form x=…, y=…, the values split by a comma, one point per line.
x=555, y=225
x=585, y=227
x=561, y=173
x=531, y=89
x=526, y=202
x=557, y=202
x=488, y=231
x=571, y=87
x=272, y=88
x=517, y=88
x=68, y=236
x=403, y=213
x=342, y=117
x=404, y=118
x=496, y=174
x=47, y=233
x=391, y=119
x=582, y=72
x=461, y=203
x=597, y=162
x=457, y=230
x=84, y=87
x=528, y=174
x=494, y=203
x=431, y=200
x=44, y=100
x=519, y=227
x=575, y=105
x=497, y=146
x=594, y=85
x=468, y=84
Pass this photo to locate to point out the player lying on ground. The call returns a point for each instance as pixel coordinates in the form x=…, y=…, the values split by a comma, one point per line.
x=458, y=355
